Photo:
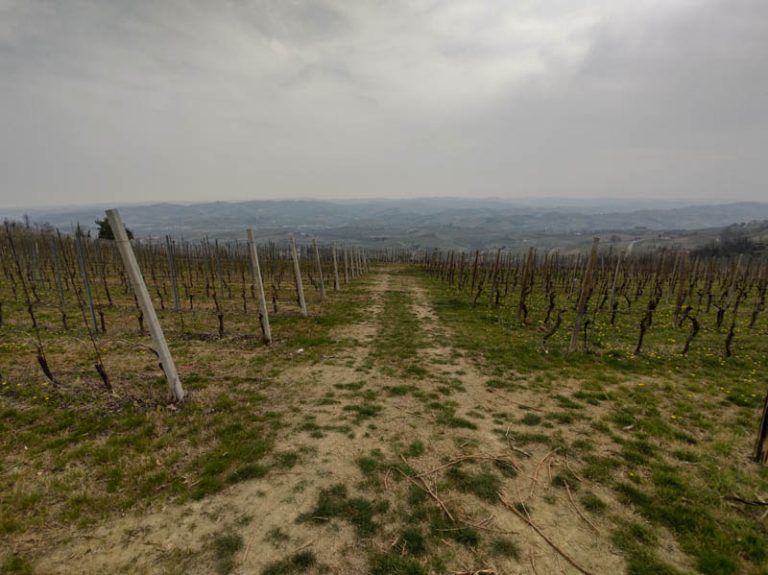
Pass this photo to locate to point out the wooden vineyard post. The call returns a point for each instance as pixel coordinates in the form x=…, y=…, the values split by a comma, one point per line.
x=584, y=293
x=335, y=268
x=263, y=312
x=319, y=269
x=297, y=277
x=142, y=295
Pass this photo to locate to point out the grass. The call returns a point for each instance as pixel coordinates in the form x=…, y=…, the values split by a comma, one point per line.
x=661, y=438
x=392, y=564
x=412, y=541
x=16, y=564
x=334, y=502
x=593, y=503
x=484, y=484
x=401, y=336
x=225, y=547
x=667, y=433
x=299, y=562
x=74, y=455
x=503, y=547
x=415, y=449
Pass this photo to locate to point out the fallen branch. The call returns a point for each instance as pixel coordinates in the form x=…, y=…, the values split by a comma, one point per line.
x=533, y=526
x=477, y=457
x=578, y=511
x=513, y=447
x=756, y=502
x=424, y=485
x=483, y=526
x=535, y=478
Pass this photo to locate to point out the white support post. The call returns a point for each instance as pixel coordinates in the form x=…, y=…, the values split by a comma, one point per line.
x=142, y=295
x=297, y=277
x=256, y=269
x=346, y=266
x=319, y=269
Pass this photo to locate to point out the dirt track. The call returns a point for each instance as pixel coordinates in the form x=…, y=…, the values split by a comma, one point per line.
x=177, y=538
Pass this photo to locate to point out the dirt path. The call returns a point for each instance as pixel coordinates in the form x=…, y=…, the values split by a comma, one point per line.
x=349, y=406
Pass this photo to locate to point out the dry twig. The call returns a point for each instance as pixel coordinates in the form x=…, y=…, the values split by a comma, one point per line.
x=756, y=502
x=578, y=511
x=535, y=527
x=477, y=457
x=424, y=485
x=538, y=466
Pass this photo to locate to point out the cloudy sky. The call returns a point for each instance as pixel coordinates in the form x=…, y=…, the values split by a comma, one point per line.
x=114, y=101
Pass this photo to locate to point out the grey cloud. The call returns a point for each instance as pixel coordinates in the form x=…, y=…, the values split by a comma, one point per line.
x=194, y=100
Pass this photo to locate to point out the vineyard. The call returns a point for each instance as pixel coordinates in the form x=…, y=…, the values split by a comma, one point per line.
x=251, y=407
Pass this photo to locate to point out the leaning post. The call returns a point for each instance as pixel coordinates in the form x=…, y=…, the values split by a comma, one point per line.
x=319, y=269
x=335, y=268
x=297, y=277
x=142, y=295
x=346, y=266
x=263, y=312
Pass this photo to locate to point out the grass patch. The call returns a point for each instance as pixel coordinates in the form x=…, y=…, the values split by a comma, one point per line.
x=503, y=547
x=412, y=541
x=334, y=502
x=299, y=562
x=484, y=484
x=593, y=503
x=392, y=564
x=225, y=547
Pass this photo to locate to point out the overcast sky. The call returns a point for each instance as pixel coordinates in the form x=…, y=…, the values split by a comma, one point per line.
x=145, y=100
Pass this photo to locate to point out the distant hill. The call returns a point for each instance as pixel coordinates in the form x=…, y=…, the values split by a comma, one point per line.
x=422, y=222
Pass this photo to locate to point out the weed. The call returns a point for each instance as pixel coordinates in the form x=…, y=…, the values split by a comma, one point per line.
x=503, y=547
x=593, y=503
x=368, y=465
x=415, y=449
x=225, y=547
x=506, y=468
x=334, y=502
x=299, y=562
x=531, y=419
x=484, y=485
x=16, y=564
x=412, y=541
x=566, y=478
x=392, y=564
x=277, y=536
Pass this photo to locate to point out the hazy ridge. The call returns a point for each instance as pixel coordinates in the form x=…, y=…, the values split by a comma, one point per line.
x=421, y=222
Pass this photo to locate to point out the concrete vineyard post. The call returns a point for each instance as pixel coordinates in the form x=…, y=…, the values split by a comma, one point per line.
x=142, y=295
x=346, y=266
x=256, y=269
x=335, y=268
x=172, y=272
x=319, y=269
x=297, y=276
